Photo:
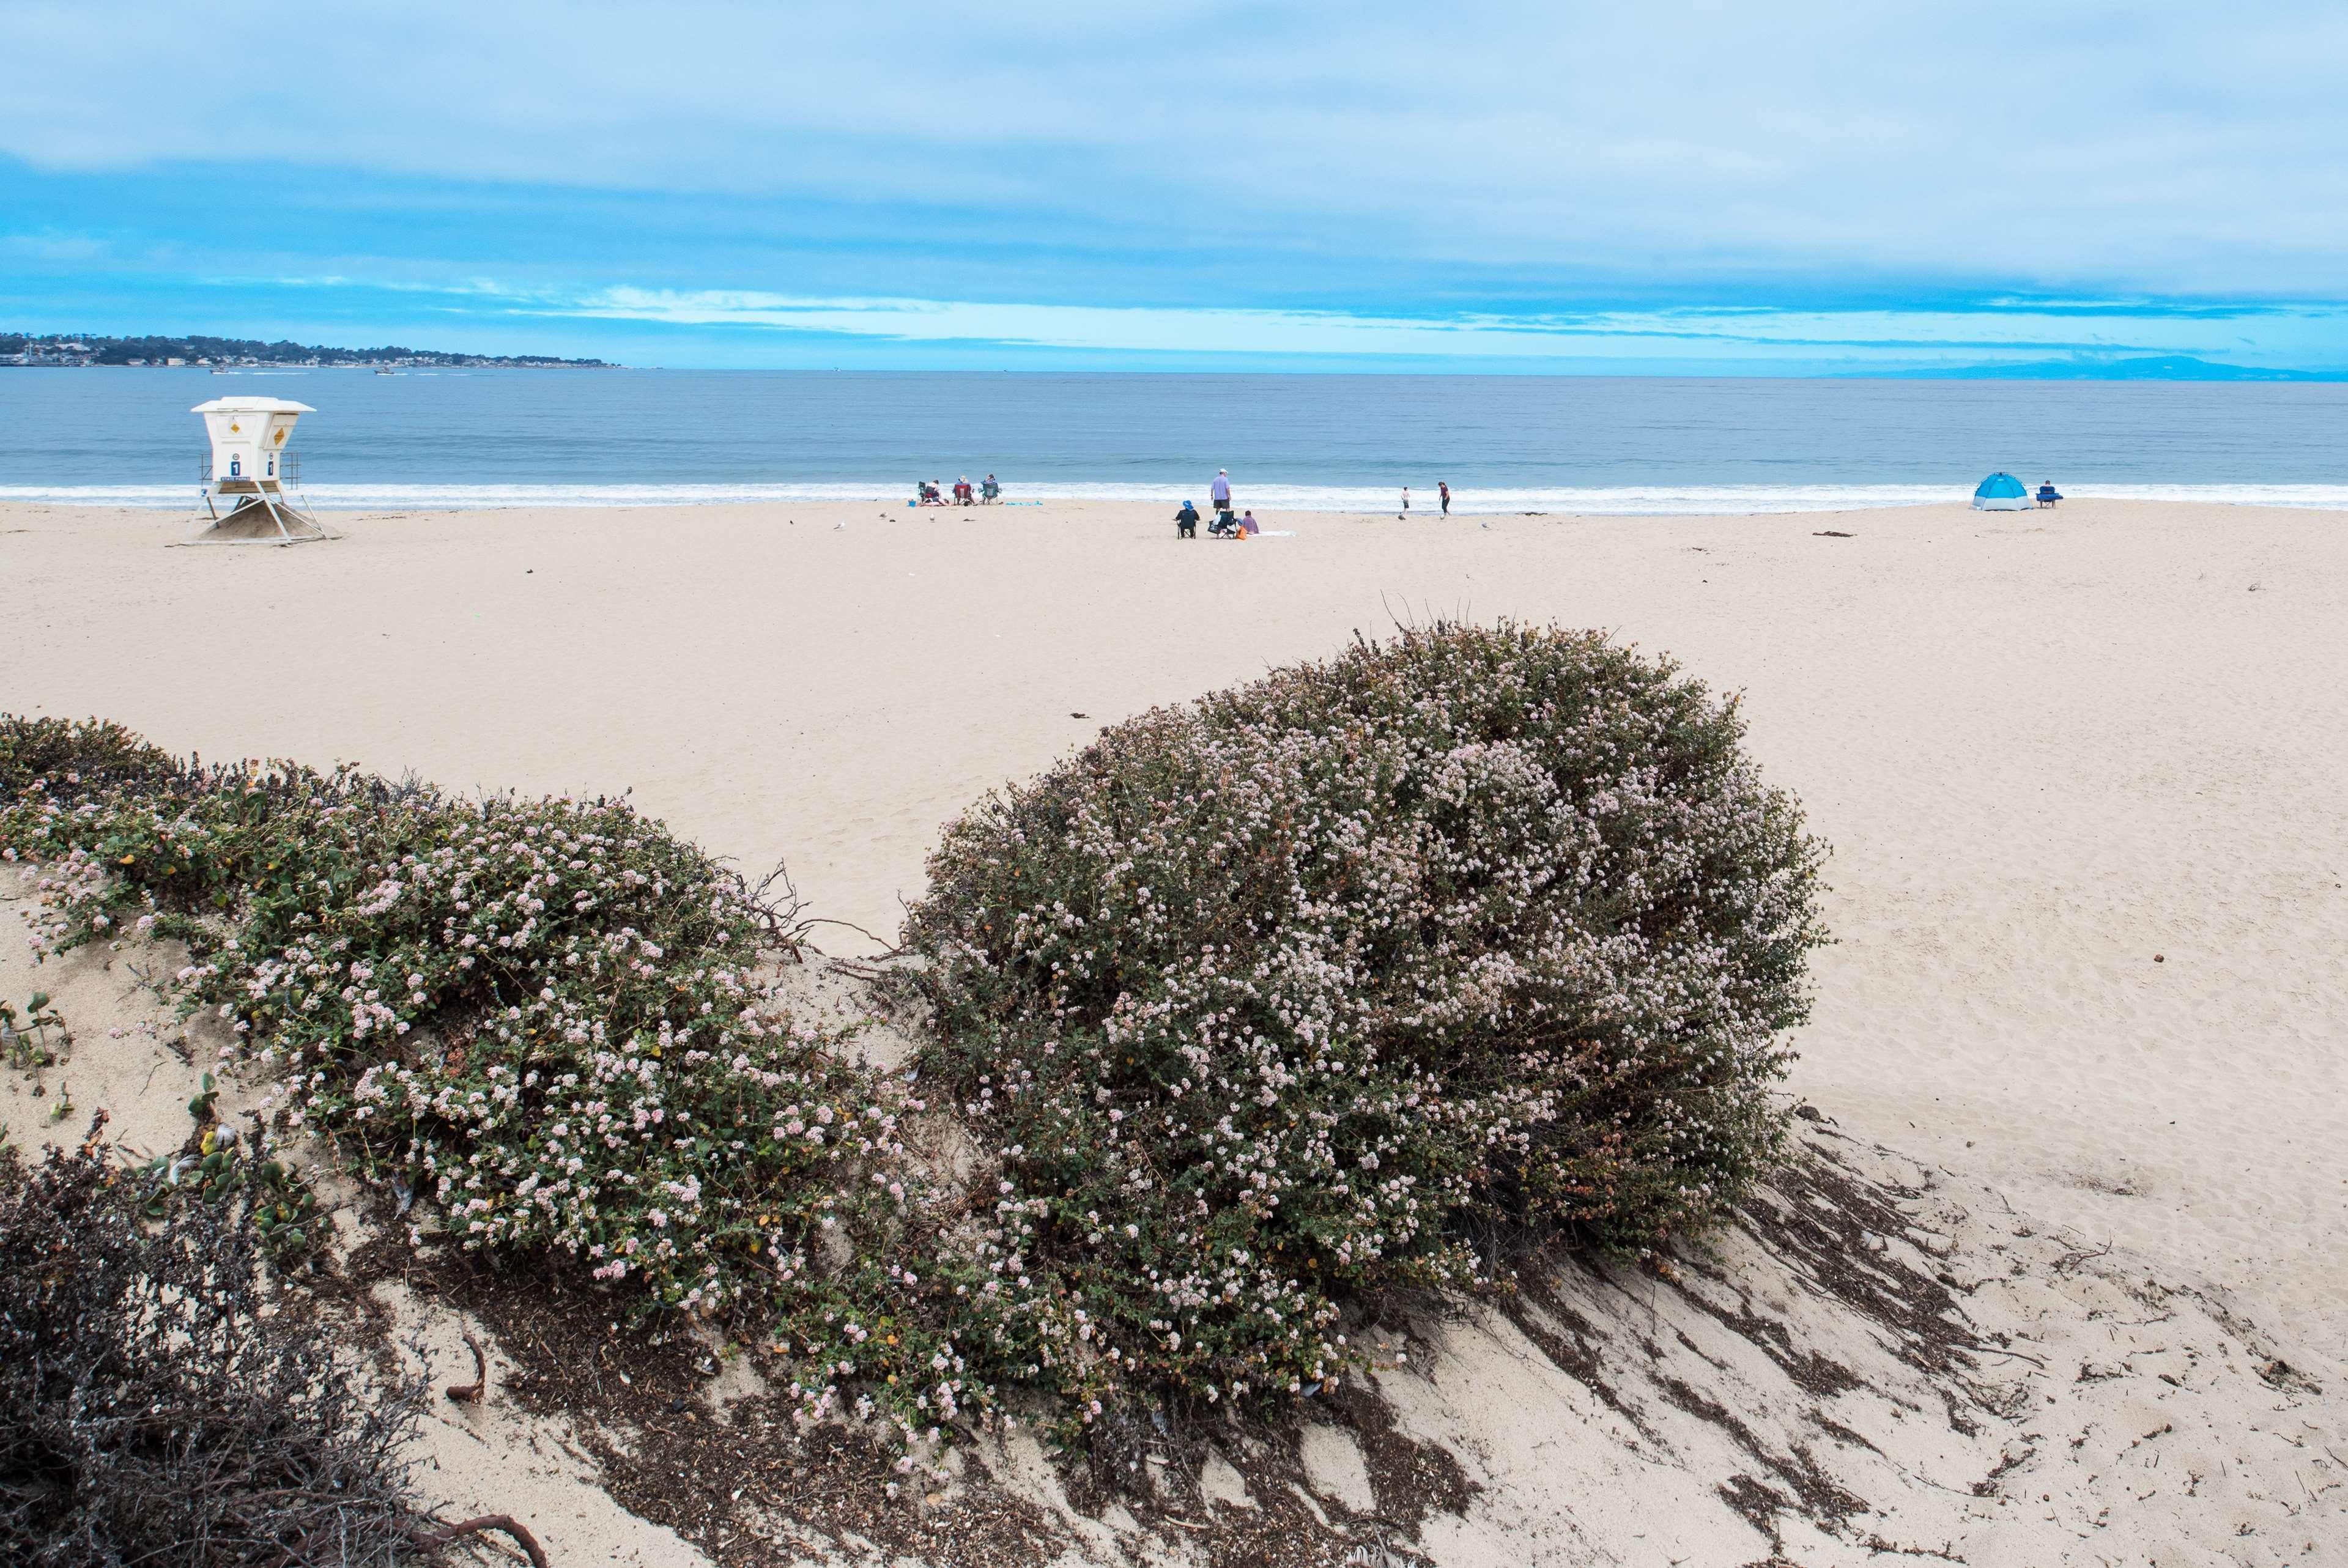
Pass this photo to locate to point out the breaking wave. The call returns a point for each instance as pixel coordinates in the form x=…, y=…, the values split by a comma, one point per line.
x=1617, y=500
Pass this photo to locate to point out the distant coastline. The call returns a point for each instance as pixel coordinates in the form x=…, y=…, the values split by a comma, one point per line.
x=72, y=351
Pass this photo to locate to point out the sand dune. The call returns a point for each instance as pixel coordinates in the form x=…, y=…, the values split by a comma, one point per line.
x=2081, y=770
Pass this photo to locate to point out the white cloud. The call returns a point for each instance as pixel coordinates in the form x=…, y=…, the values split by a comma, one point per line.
x=1854, y=339
x=2162, y=146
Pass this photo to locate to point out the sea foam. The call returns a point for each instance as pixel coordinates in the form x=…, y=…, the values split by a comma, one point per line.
x=1617, y=500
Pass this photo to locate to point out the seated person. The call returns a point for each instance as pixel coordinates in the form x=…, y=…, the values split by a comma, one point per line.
x=989, y=491
x=1186, y=521
x=1224, y=521
x=1247, y=526
x=2047, y=494
x=930, y=496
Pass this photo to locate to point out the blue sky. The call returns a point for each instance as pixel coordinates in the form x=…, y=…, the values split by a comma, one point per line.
x=1711, y=187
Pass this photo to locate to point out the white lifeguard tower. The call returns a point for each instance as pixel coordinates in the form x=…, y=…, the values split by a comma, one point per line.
x=248, y=477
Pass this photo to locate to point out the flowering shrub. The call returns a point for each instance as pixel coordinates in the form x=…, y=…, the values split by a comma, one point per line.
x=1267, y=999
x=72, y=755
x=542, y=1016
x=1254, y=1005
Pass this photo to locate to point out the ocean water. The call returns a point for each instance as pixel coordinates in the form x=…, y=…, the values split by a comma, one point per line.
x=429, y=440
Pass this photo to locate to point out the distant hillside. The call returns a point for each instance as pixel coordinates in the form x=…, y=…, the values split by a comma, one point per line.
x=61, y=349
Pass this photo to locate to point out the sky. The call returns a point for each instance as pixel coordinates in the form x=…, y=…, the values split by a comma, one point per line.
x=1796, y=188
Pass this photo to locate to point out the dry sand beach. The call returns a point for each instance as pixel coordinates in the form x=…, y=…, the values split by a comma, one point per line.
x=2082, y=771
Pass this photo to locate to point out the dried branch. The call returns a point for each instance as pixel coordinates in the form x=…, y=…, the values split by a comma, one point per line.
x=779, y=912
x=471, y=1393
x=783, y=915
x=503, y=1522
x=158, y=1392
x=888, y=949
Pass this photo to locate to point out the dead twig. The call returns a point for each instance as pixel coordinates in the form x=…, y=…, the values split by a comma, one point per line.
x=2077, y=1255
x=145, y=981
x=888, y=949
x=779, y=912
x=505, y=1524
x=471, y=1393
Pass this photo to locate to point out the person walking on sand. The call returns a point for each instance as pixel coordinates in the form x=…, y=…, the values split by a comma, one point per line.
x=1443, y=489
x=1406, y=497
x=1220, y=492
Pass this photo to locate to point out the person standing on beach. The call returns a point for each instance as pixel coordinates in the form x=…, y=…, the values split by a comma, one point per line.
x=1220, y=492
x=1443, y=489
x=1406, y=497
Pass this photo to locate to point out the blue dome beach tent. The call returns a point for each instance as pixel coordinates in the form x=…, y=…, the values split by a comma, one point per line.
x=2002, y=493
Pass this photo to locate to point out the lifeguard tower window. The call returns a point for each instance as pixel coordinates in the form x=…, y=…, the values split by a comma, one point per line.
x=250, y=483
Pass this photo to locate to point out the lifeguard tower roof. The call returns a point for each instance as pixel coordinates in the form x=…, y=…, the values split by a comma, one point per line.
x=252, y=405
x=244, y=428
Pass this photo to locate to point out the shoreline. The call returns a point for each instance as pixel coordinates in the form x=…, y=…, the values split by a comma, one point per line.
x=1660, y=502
